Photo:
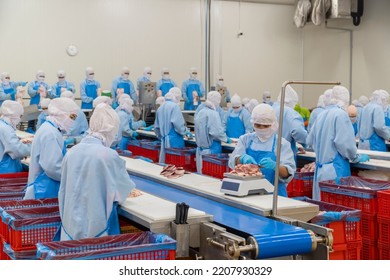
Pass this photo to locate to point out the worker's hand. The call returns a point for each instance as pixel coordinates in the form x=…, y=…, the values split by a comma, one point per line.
x=268, y=163
x=99, y=91
x=23, y=84
x=149, y=128
x=159, y=93
x=364, y=158
x=189, y=134
x=69, y=141
x=247, y=159
x=229, y=140
x=134, y=135
x=143, y=124
x=63, y=89
x=135, y=193
x=27, y=140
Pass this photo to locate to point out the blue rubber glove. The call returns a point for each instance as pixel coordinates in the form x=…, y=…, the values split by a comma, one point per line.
x=23, y=84
x=229, y=140
x=149, y=128
x=143, y=124
x=189, y=134
x=134, y=135
x=364, y=158
x=268, y=163
x=247, y=159
x=69, y=141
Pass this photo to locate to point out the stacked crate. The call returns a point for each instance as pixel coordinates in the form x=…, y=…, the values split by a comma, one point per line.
x=361, y=194
x=215, y=165
x=183, y=157
x=145, y=148
x=301, y=184
x=384, y=224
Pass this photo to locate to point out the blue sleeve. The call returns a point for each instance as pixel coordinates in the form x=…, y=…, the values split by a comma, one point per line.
x=121, y=185
x=54, y=90
x=227, y=95
x=202, y=91
x=14, y=147
x=379, y=124
x=114, y=87
x=83, y=95
x=4, y=96
x=41, y=119
x=217, y=132
x=344, y=141
x=133, y=93
x=184, y=90
x=174, y=83
x=298, y=131
x=287, y=160
x=178, y=121
x=51, y=157
x=247, y=121
x=138, y=83
x=239, y=150
x=49, y=91
x=125, y=125
x=158, y=84
x=31, y=91
x=71, y=87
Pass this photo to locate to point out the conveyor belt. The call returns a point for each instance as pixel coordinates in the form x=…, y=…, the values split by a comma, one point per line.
x=275, y=239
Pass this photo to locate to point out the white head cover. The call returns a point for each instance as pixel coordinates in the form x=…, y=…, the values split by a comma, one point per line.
x=220, y=80
x=291, y=97
x=321, y=101
x=236, y=100
x=3, y=76
x=193, y=73
x=340, y=96
x=245, y=101
x=214, y=97
x=45, y=103
x=356, y=103
x=61, y=74
x=127, y=105
x=327, y=96
x=176, y=92
x=165, y=73
x=40, y=76
x=104, y=124
x=123, y=97
x=102, y=99
x=364, y=100
x=170, y=96
x=264, y=114
x=12, y=111
x=67, y=94
x=148, y=72
x=160, y=100
x=89, y=73
x=251, y=105
x=59, y=111
x=266, y=97
x=380, y=97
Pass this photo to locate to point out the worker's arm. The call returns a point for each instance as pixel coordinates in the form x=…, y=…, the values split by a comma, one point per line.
x=83, y=94
x=379, y=124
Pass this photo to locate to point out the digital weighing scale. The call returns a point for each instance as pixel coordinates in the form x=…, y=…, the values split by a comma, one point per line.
x=245, y=185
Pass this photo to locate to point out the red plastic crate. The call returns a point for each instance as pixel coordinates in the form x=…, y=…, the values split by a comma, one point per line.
x=301, y=184
x=384, y=203
x=183, y=157
x=31, y=225
x=384, y=250
x=346, y=251
x=369, y=226
x=150, y=149
x=5, y=176
x=3, y=255
x=384, y=229
x=11, y=196
x=215, y=165
x=370, y=250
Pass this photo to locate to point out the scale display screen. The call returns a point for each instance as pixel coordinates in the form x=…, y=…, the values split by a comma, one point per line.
x=231, y=186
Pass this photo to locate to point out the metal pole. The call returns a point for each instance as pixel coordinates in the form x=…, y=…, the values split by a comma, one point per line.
x=207, y=44
x=283, y=93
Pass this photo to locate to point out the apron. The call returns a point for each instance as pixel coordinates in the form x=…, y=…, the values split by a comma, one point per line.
x=125, y=86
x=10, y=91
x=165, y=87
x=189, y=103
x=269, y=174
x=235, y=126
x=172, y=140
x=112, y=226
x=37, y=98
x=355, y=129
x=90, y=91
x=215, y=148
x=9, y=165
x=44, y=186
x=374, y=143
x=58, y=88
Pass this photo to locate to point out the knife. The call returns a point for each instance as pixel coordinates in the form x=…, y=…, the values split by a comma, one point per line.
x=177, y=218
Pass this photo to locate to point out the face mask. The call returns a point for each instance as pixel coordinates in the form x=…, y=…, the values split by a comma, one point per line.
x=66, y=124
x=61, y=79
x=125, y=76
x=220, y=83
x=148, y=75
x=264, y=134
x=237, y=110
x=165, y=77
x=91, y=76
x=41, y=79
x=193, y=75
x=353, y=119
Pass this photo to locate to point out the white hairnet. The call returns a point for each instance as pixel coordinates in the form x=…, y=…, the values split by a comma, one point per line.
x=126, y=105
x=101, y=99
x=219, y=78
x=59, y=111
x=214, y=97
x=245, y=101
x=380, y=97
x=160, y=100
x=125, y=69
x=340, y=96
x=104, y=124
x=39, y=74
x=89, y=70
x=3, y=76
x=321, y=101
x=67, y=94
x=164, y=70
x=147, y=70
x=61, y=74
x=251, y=105
x=45, y=103
x=356, y=103
x=176, y=92
x=170, y=96
x=193, y=70
x=123, y=97
x=11, y=109
x=236, y=100
x=327, y=96
x=290, y=98
x=364, y=100
x=266, y=96
x=263, y=114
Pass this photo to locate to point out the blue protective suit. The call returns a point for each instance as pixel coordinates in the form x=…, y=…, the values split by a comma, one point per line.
x=47, y=153
x=372, y=129
x=87, y=202
x=187, y=88
x=125, y=131
x=387, y=116
x=11, y=149
x=251, y=145
x=293, y=127
x=237, y=124
x=8, y=92
x=220, y=111
x=80, y=125
x=128, y=88
x=313, y=117
x=333, y=140
x=169, y=127
x=41, y=119
x=56, y=88
x=209, y=134
x=34, y=94
x=88, y=92
x=165, y=85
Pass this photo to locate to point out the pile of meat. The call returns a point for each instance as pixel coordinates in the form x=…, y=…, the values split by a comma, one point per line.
x=172, y=172
x=246, y=170
x=310, y=167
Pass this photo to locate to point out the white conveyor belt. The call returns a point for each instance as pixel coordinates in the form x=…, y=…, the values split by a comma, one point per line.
x=210, y=188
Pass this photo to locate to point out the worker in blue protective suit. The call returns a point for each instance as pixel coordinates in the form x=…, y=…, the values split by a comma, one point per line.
x=12, y=150
x=8, y=88
x=42, y=116
x=192, y=90
x=333, y=141
x=165, y=83
x=126, y=132
x=80, y=124
x=317, y=111
x=352, y=114
x=89, y=89
x=267, y=98
x=237, y=119
x=293, y=128
x=88, y=204
x=251, y=105
x=209, y=130
x=48, y=150
x=123, y=82
x=169, y=125
x=260, y=148
x=218, y=108
x=372, y=129
x=220, y=84
x=62, y=85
